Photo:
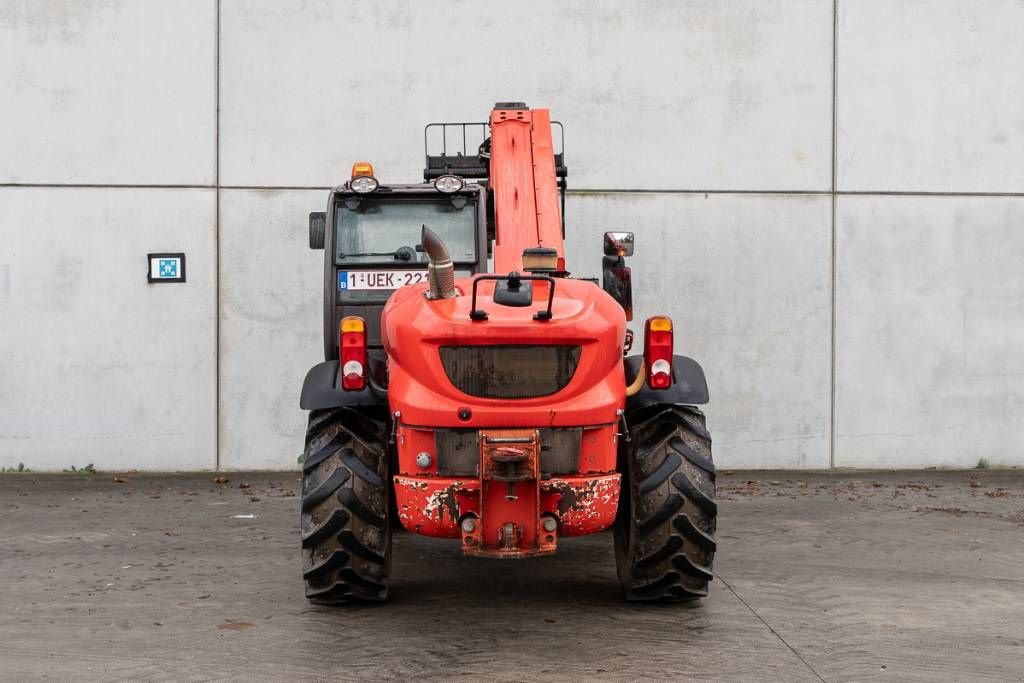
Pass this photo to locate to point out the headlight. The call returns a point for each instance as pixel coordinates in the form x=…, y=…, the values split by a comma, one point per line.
x=363, y=184
x=449, y=184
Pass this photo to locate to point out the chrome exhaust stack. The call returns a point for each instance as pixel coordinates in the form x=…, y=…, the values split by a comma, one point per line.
x=441, y=270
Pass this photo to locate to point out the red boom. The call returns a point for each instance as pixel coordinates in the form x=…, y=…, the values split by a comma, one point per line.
x=525, y=188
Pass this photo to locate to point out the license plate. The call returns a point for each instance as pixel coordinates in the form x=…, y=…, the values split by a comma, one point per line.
x=379, y=279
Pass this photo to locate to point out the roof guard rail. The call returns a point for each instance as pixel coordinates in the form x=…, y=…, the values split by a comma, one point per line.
x=446, y=148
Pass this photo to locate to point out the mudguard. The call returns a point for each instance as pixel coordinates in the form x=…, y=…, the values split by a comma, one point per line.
x=689, y=387
x=321, y=390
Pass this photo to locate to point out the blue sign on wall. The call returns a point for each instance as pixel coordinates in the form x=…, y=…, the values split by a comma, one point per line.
x=166, y=267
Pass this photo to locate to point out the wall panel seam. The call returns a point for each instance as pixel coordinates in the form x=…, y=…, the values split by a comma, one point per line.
x=216, y=239
x=578, y=192
x=833, y=359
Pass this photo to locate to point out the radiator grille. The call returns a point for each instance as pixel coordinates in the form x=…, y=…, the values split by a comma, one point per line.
x=513, y=371
x=458, y=451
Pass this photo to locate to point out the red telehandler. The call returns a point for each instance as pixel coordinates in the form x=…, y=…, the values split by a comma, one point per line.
x=498, y=407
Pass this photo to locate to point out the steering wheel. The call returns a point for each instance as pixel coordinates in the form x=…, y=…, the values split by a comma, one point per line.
x=405, y=254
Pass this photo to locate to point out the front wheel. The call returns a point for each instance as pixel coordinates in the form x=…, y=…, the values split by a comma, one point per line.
x=665, y=529
x=346, y=530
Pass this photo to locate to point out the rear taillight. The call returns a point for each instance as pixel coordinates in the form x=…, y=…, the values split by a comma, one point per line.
x=352, y=349
x=658, y=352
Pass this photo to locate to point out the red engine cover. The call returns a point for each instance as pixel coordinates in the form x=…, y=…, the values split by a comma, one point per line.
x=414, y=328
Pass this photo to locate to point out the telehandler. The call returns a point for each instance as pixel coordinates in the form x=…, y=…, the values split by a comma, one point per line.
x=472, y=389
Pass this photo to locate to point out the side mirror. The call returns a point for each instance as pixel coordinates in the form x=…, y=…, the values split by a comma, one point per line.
x=617, y=280
x=618, y=244
x=317, y=226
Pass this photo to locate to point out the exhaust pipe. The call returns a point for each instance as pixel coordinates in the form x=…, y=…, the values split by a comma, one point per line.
x=441, y=271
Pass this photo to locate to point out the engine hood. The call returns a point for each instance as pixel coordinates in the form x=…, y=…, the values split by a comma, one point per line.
x=414, y=328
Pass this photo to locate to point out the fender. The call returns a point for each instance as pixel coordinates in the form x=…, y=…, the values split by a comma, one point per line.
x=689, y=386
x=321, y=389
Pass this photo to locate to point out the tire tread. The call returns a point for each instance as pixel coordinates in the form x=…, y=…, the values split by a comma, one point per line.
x=666, y=555
x=347, y=550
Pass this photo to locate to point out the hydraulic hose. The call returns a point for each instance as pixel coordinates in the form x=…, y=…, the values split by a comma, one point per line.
x=638, y=381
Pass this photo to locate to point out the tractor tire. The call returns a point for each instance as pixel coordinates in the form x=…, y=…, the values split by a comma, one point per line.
x=665, y=529
x=345, y=515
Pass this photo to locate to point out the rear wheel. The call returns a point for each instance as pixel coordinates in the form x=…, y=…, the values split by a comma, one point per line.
x=346, y=530
x=665, y=529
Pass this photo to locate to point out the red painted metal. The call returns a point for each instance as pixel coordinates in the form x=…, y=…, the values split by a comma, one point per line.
x=412, y=441
x=598, y=448
x=507, y=494
x=507, y=504
x=584, y=505
x=434, y=506
x=526, y=204
x=509, y=523
x=413, y=329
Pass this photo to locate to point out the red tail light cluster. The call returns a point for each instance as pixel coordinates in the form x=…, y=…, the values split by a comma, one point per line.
x=352, y=349
x=658, y=352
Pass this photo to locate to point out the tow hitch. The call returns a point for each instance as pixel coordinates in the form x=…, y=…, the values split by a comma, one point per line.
x=509, y=523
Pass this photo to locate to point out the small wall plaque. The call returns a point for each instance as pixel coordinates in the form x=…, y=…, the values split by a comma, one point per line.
x=166, y=267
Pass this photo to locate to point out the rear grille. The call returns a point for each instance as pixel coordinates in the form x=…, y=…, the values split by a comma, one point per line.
x=513, y=371
x=458, y=451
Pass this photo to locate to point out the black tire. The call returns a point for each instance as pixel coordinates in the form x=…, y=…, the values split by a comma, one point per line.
x=345, y=520
x=665, y=529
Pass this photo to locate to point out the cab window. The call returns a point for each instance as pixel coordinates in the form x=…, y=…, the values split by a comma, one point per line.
x=388, y=232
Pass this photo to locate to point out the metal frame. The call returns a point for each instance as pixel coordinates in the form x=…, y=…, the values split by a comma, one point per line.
x=477, y=314
x=485, y=126
x=482, y=170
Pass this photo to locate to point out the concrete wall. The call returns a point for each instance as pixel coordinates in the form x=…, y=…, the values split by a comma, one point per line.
x=839, y=199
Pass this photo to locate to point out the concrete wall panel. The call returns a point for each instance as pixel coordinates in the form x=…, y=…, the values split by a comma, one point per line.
x=107, y=92
x=706, y=94
x=271, y=324
x=734, y=95
x=725, y=308
x=930, y=327
x=96, y=365
x=746, y=280
x=929, y=96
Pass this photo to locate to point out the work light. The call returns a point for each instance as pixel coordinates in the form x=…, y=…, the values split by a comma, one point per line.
x=362, y=181
x=363, y=184
x=449, y=184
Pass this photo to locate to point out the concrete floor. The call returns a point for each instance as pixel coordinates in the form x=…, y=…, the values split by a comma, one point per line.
x=820, y=576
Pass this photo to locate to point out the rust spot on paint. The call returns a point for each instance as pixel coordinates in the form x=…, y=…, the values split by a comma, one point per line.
x=444, y=501
x=589, y=500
